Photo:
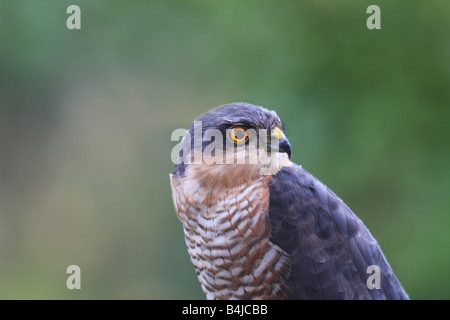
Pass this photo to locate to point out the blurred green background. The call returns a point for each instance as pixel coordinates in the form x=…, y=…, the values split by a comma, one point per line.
x=86, y=118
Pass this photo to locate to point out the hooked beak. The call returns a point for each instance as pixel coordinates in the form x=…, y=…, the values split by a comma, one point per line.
x=279, y=142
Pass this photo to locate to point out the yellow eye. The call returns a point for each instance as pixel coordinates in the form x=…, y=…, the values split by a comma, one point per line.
x=238, y=134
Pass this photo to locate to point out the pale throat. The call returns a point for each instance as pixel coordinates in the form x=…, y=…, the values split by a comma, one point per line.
x=221, y=173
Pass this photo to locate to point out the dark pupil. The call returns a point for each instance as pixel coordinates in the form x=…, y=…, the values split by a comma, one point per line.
x=239, y=134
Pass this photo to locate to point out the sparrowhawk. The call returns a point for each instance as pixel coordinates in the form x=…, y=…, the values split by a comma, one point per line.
x=258, y=226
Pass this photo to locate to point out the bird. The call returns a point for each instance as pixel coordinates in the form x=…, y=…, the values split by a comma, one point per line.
x=259, y=226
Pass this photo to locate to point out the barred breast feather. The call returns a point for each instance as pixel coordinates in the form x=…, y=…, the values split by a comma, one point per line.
x=227, y=236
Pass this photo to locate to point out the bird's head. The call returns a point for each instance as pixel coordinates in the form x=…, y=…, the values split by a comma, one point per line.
x=237, y=140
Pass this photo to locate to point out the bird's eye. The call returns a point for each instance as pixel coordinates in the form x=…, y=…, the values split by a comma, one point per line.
x=238, y=135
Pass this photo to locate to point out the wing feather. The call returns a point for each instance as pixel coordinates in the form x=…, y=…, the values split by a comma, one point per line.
x=329, y=246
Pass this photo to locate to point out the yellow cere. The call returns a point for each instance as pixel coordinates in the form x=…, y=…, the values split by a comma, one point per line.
x=277, y=133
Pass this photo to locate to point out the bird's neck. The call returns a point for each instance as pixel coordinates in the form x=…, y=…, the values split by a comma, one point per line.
x=223, y=176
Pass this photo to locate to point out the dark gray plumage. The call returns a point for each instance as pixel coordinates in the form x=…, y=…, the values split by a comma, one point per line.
x=329, y=246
